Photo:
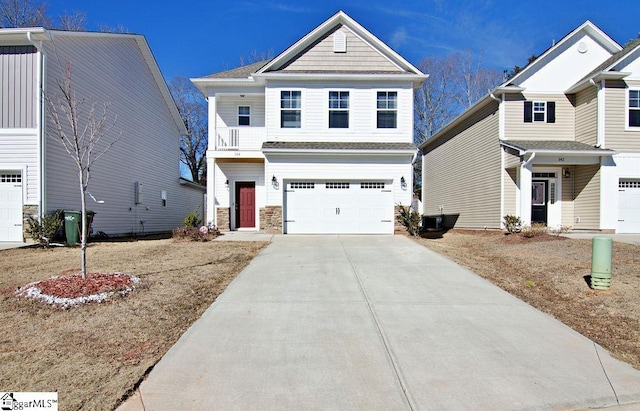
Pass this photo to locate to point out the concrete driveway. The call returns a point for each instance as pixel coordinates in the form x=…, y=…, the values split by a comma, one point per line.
x=377, y=323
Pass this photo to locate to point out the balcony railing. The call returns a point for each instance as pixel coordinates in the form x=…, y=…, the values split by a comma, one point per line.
x=240, y=138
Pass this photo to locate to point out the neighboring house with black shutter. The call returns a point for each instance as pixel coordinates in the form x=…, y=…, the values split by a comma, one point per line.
x=317, y=140
x=137, y=180
x=558, y=143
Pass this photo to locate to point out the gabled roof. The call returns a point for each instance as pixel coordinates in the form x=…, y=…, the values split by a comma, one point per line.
x=605, y=70
x=36, y=35
x=254, y=74
x=340, y=18
x=511, y=85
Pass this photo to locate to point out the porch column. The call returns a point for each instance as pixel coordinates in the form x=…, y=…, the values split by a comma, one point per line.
x=211, y=216
x=525, y=191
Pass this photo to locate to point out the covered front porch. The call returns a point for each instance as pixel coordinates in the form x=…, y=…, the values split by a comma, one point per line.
x=561, y=184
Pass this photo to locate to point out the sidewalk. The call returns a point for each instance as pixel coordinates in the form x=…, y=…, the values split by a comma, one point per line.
x=377, y=323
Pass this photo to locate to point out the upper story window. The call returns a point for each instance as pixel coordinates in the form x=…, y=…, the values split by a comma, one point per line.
x=387, y=109
x=290, y=109
x=634, y=108
x=540, y=111
x=244, y=116
x=338, y=109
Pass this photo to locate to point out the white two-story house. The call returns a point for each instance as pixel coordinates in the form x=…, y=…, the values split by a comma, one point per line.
x=317, y=140
x=558, y=144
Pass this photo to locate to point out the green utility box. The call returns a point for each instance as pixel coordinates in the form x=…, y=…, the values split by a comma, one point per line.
x=73, y=225
x=602, y=250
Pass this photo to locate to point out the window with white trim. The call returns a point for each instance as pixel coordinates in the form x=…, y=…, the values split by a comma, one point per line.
x=634, y=108
x=387, y=109
x=290, y=109
x=338, y=109
x=244, y=115
x=540, y=111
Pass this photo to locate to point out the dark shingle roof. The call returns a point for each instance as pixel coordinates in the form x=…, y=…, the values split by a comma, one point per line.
x=307, y=145
x=239, y=72
x=553, y=145
x=613, y=59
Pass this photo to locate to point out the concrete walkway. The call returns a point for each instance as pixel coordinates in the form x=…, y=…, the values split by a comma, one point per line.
x=377, y=323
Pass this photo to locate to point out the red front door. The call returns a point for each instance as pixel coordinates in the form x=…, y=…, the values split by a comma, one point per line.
x=245, y=205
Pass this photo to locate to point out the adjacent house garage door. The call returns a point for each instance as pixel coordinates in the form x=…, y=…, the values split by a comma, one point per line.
x=10, y=206
x=338, y=207
x=628, y=206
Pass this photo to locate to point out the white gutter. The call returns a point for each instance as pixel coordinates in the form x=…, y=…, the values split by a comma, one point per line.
x=529, y=160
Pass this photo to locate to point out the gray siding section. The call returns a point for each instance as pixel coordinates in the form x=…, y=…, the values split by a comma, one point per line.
x=360, y=56
x=587, y=116
x=587, y=196
x=516, y=128
x=113, y=69
x=462, y=170
x=617, y=136
x=18, y=86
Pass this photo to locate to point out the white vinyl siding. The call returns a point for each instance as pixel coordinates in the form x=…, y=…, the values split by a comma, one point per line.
x=517, y=129
x=462, y=174
x=227, y=109
x=362, y=113
x=359, y=56
x=18, y=86
x=510, y=191
x=113, y=69
x=21, y=149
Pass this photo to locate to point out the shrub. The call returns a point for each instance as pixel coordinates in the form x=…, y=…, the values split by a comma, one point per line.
x=409, y=220
x=512, y=224
x=534, y=230
x=561, y=230
x=203, y=233
x=42, y=232
x=192, y=219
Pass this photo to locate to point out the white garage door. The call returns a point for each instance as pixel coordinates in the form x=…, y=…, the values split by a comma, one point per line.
x=338, y=207
x=628, y=206
x=10, y=206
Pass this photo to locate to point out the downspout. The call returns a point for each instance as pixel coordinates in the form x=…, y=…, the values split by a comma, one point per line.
x=529, y=160
x=41, y=123
x=501, y=133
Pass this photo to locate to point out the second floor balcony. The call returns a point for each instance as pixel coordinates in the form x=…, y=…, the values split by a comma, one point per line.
x=239, y=138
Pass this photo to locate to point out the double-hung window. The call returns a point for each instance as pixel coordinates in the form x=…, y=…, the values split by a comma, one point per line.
x=634, y=108
x=338, y=109
x=539, y=111
x=244, y=116
x=387, y=109
x=290, y=109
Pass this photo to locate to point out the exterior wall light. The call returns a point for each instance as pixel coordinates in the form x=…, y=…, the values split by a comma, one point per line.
x=566, y=173
x=274, y=182
x=403, y=183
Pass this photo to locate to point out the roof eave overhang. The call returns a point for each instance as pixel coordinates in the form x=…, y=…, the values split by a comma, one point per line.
x=20, y=36
x=415, y=78
x=205, y=85
x=545, y=152
x=294, y=151
x=597, y=78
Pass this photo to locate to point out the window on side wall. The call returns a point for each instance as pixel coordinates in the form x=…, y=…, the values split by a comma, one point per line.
x=338, y=109
x=539, y=111
x=290, y=109
x=244, y=116
x=634, y=108
x=387, y=109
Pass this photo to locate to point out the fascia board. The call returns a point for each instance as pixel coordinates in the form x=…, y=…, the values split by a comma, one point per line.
x=336, y=152
x=598, y=77
x=342, y=76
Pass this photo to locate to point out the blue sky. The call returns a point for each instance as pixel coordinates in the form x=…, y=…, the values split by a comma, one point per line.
x=195, y=38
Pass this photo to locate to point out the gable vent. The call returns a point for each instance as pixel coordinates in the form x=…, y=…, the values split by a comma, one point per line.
x=339, y=42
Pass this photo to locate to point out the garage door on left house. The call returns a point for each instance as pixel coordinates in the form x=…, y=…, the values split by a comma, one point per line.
x=10, y=206
x=628, y=206
x=338, y=207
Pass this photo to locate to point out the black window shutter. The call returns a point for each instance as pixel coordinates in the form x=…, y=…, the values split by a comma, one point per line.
x=528, y=111
x=551, y=111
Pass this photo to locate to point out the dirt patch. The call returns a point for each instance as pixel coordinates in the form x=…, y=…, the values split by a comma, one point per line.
x=94, y=354
x=552, y=274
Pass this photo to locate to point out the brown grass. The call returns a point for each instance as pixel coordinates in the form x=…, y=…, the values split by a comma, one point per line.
x=549, y=273
x=94, y=354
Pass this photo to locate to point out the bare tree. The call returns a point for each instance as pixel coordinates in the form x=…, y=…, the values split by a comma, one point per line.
x=193, y=110
x=83, y=128
x=474, y=81
x=75, y=21
x=120, y=29
x=23, y=13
